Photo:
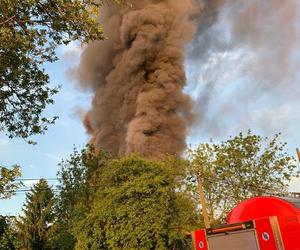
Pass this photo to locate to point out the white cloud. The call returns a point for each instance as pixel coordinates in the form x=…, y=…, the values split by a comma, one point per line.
x=31, y=166
x=295, y=184
x=53, y=157
x=30, y=183
x=4, y=142
x=71, y=51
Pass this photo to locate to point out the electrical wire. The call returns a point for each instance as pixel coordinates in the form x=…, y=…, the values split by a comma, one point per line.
x=37, y=179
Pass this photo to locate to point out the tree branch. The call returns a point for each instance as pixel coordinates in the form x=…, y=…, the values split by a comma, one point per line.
x=9, y=19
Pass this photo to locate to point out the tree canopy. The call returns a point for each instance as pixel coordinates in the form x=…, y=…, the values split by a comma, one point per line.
x=123, y=203
x=79, y=178
x=8, y=236
x=138, y=206
x=8, y=183
x=243, y=166
x=30, y=32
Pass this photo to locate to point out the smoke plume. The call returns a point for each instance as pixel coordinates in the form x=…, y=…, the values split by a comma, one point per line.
x=137, y=75
x=241, y=62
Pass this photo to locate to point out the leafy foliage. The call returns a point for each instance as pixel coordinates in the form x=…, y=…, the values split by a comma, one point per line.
x=243, y=166
x=79, y=176
x=7, y=181
x=30, y=32
x=138, y=206
x=8, y=236
x=36, y=227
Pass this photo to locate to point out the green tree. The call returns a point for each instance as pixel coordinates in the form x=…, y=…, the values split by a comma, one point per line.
x=138, y=205
x=8, y=183
x=78, y=177
x=8, y=235
x=244, y=166
x=30, y=32
x=36, y=227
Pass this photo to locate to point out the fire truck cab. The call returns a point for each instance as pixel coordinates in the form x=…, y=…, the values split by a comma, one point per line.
x=260, y=223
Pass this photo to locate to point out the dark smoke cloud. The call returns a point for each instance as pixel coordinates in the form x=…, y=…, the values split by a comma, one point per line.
x=242, y=66
x=138, y=77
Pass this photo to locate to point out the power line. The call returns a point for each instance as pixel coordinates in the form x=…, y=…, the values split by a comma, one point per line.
x=26, y=189
x=29, y=189
x=37, y=179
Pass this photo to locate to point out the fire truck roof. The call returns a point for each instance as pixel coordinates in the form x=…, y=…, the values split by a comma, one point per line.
x=264, y=206
x=292, y=200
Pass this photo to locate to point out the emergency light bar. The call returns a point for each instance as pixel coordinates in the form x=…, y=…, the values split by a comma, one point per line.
x=229, y=228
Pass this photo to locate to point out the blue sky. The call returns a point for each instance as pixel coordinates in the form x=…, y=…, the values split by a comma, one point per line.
x=234, y=90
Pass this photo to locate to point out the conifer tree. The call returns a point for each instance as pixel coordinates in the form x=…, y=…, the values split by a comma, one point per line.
x=36, y=226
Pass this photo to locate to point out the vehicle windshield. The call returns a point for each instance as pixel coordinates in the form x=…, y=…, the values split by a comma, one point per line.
x=242, y=240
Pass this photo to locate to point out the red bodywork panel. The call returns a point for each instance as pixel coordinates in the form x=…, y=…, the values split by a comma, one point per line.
x=286, y=210
x=267, y=236
x=200, y=240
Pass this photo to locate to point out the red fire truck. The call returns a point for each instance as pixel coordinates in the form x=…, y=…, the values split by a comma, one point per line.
x=260, y=223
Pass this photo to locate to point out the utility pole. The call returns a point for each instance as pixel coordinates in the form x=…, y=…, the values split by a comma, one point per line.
x=298, y=153
x=203, y=201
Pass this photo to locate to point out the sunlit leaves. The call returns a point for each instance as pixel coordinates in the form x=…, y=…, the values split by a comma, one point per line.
x=244, y=166
x=8, y=236
x=30, y=32
x=125, y=203
x=8, y=183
